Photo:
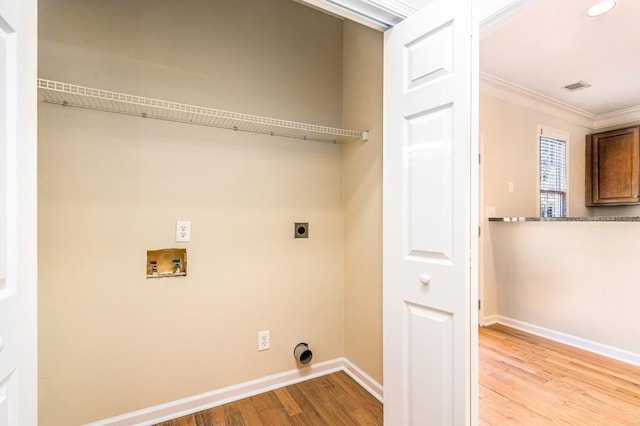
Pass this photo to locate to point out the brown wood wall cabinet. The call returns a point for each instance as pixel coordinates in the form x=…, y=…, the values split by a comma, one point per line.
x=612, y=169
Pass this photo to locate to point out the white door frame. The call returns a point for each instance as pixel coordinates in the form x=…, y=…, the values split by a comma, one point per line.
x=18, y=213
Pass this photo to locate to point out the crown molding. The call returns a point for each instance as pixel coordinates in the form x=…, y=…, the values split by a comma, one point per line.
x=376, y=14
x=617, y=118
x=397, y=8
x=493, y=14
x=518, y=95
x=502, y=89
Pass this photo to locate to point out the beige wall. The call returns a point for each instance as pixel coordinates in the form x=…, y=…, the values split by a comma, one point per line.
x=363, y=199
x=576, y=278
x=510, y=154
x=113, y=186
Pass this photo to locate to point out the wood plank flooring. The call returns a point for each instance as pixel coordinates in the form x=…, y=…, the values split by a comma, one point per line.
x=524, y=379
x=334, y=399
x=528, y=380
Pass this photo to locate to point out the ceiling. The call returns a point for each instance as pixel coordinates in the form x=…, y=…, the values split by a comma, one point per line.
x=548, y=44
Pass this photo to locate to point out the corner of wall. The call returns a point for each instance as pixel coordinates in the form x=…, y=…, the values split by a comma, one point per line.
x=362, y=110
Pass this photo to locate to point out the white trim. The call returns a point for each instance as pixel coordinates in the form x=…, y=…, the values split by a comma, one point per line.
x=397, y=8
x=568, y=339
x=553, y=133
x=616, y=118
x=493, y=14
x=483, y=229
x=377, y=14
x=364, y=380
x=517, y=95
x=382, y=14
x=490, y=320
x=185, y=406
x=560, y=135
x=502, y=89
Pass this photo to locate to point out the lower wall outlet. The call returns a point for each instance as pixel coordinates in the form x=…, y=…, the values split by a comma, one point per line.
x=264, y=340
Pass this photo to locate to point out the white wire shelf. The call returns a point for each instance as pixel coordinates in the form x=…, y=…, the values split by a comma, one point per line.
x=72, y=95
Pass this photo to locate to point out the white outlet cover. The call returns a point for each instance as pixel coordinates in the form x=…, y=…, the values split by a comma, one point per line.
x=183, y=231
x=264, y=340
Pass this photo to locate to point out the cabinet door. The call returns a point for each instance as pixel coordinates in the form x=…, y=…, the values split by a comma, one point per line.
x=613, y=167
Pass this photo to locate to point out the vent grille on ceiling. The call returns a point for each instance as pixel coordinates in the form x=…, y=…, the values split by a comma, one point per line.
x=576, y=86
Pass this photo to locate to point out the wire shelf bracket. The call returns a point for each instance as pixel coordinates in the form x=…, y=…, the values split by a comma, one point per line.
x=67, y=94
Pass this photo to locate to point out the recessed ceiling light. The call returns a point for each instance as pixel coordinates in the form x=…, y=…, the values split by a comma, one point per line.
x=601, y=8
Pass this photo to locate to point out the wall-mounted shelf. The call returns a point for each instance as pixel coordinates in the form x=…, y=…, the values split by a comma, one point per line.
x=72, y=95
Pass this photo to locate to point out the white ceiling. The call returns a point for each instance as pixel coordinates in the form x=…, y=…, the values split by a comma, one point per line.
x=548, y=44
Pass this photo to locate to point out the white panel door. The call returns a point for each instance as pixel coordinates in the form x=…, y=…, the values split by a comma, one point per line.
x=18, y=267
x=427, y=217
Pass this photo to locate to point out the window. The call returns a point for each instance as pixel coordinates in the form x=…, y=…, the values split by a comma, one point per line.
x=553, y=174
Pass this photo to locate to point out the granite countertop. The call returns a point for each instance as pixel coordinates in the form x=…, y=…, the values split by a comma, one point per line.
x=567, y=219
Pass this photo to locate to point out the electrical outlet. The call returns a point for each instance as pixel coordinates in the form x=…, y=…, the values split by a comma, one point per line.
x=301, y=230
x=264, y=340
x=183, y=231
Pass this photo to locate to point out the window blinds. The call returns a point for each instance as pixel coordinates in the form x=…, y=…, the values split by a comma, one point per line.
x=553, y=177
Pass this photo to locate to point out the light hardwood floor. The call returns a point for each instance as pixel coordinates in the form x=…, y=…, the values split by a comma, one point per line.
x=528, y=380
x=524, y=380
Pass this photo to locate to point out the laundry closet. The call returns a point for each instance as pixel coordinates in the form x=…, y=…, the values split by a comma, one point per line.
x=112, y=187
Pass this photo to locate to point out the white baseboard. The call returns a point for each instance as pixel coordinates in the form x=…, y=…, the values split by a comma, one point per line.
x=204, y=401
x=491, y=319
x=578, y=342
x=363, y=379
